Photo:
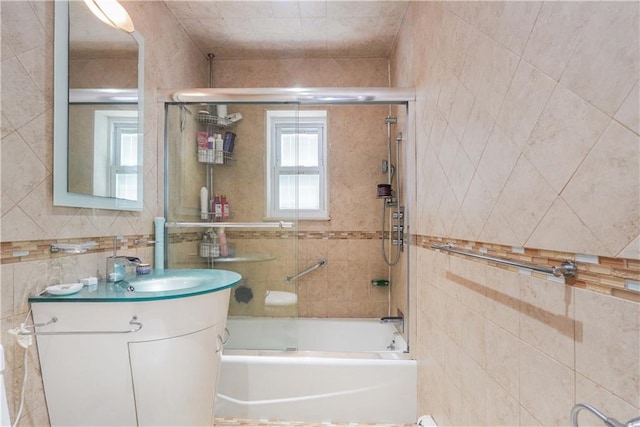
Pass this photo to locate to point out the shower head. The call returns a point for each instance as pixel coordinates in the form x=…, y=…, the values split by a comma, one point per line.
x=391, y=120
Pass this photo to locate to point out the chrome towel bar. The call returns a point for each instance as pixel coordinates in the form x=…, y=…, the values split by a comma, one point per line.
x=608, y=421
x=566, y=269
x=133, y=322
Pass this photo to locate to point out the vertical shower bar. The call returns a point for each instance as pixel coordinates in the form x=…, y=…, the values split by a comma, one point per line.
x=389, y=178
x=210, y=57
x=389, y=201
x=389, y=169
x=209, y=168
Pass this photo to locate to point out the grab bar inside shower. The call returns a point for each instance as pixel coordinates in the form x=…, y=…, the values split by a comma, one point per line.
x=315, y=266
x=566, y=269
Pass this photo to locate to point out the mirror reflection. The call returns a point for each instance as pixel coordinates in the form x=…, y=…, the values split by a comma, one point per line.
x=102, y=148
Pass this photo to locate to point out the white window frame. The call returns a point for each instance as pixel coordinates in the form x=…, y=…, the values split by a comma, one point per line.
x=106, y=149
x=306, y=118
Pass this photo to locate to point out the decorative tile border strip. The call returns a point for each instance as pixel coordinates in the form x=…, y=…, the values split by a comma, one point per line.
x=601, y=274
x=34, y=250
x=266, y=234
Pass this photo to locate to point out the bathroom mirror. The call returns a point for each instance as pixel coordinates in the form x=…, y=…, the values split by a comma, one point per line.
x=98, y=116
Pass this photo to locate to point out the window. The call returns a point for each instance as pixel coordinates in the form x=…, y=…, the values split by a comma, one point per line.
x=124, y=162
x=297, y=164
x=116, y=156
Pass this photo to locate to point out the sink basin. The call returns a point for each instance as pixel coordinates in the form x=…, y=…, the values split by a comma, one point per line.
x=155, y=285
x=165, y=284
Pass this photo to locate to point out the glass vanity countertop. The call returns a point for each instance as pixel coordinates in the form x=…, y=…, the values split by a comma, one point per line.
x=157, y=285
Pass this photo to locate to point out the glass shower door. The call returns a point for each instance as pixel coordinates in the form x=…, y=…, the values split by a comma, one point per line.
x=262, y=249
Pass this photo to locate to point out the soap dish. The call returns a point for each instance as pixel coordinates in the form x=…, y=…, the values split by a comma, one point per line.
x=65, y=289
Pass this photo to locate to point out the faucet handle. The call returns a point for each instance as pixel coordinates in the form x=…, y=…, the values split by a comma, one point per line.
x=117, y=274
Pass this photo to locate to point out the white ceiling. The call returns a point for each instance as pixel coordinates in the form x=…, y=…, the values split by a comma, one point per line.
x=90, y=38
x=291, y=28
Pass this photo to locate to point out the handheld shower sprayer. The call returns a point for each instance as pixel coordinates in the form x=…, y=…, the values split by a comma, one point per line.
x=385, y=191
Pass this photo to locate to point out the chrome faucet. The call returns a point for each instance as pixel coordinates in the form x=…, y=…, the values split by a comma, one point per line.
x=117, y=267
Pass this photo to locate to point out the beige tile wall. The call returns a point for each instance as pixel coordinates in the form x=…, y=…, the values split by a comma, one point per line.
x=497, y=347
x=308, y=72
x=527, y=122
x=526, y=135
x=28, y=215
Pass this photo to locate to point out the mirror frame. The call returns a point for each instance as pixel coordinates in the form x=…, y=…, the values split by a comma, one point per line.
x=61, y=194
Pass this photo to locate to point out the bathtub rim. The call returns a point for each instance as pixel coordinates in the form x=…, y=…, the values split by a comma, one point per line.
x=379, y=355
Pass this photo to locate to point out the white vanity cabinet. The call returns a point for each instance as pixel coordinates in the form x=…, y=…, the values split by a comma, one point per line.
x=193, y=362
x=146, y=362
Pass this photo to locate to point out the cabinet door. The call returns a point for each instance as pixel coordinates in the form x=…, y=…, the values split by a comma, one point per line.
x=174, y=379
x=86, y=379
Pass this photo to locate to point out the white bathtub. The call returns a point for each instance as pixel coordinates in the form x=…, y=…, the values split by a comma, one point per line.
x=338, y=370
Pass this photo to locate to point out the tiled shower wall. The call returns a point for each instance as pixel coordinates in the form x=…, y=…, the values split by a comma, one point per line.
x=30, y=222
x=340, y=289
x=527, y=127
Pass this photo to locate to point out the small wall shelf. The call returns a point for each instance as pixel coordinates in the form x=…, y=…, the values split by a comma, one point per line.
x=246, y=258
x=214, y=157
x=211, y=119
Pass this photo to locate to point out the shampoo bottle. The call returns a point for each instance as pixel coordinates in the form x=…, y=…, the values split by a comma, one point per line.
x=210, y=152
x=217, y=208
x=204, y=203
x=225, y=208
x=228, y=142
x=219, y=155
x=222, y=240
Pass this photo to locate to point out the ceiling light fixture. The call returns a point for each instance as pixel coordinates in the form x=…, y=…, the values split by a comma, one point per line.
x=112, y=13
